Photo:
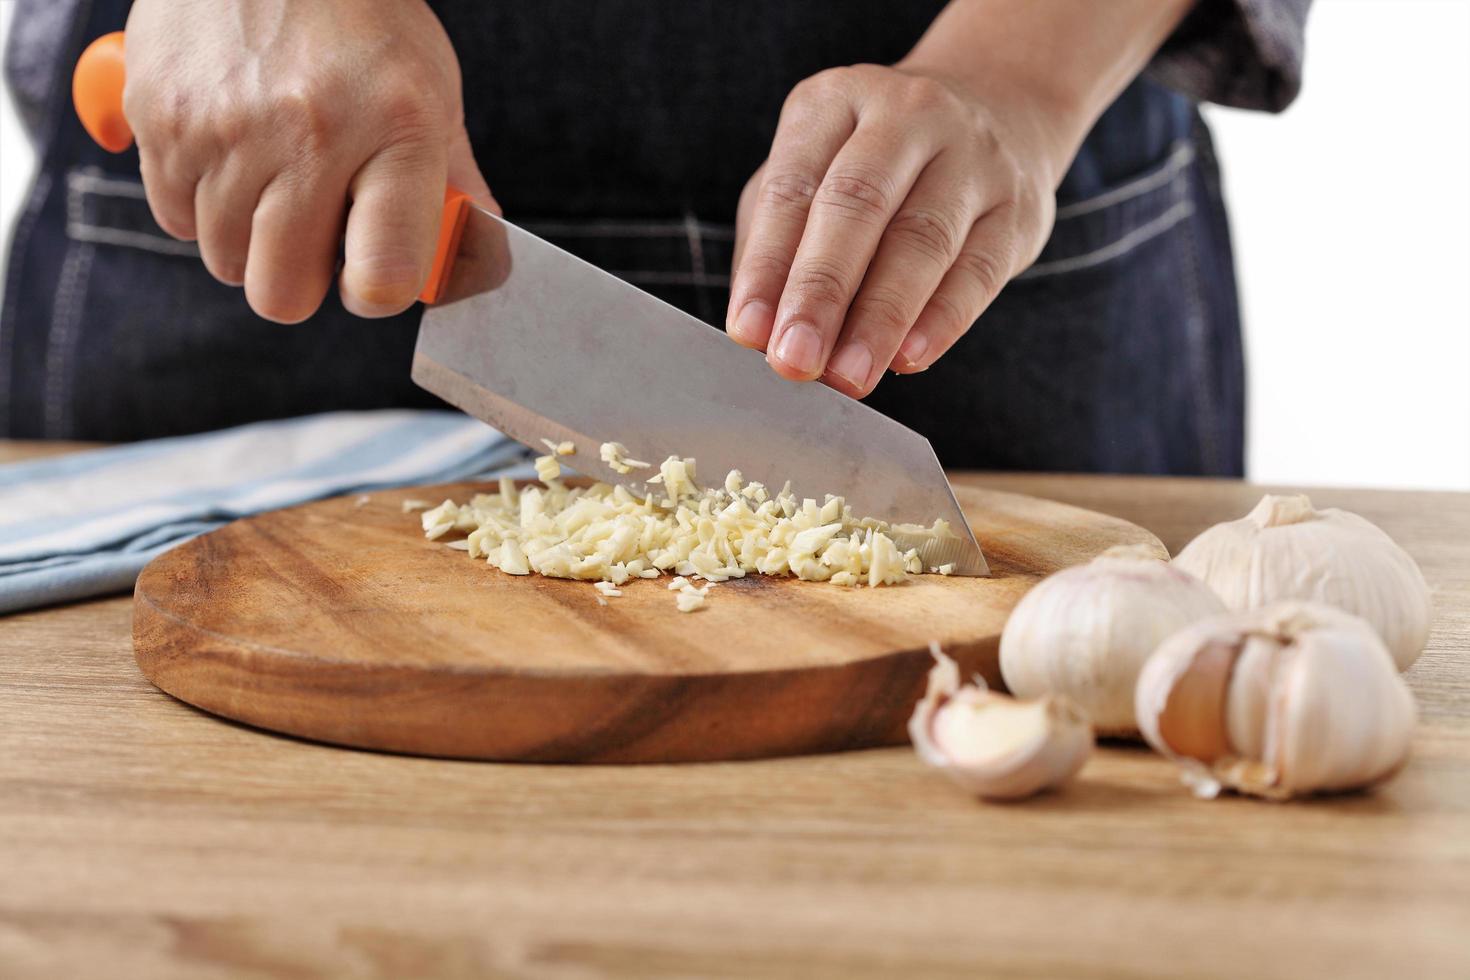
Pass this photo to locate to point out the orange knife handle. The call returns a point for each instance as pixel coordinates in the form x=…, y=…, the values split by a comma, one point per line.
x=451, y=230
x=97, y=92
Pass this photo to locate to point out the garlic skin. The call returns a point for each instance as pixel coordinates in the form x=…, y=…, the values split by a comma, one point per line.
x=993, y=745
x=1292, y=699
x=1284, y=549
x=1086, y=631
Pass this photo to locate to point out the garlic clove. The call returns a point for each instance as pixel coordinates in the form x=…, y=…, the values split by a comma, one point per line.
x=1285, y=549
x=992, y=744
x=1278, y=702
x=1193, y=711
x=1085, y=632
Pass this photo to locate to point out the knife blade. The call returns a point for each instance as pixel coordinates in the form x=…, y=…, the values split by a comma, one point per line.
x=542, y=345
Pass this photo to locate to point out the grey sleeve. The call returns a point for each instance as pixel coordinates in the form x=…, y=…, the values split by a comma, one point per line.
x=1245, y=53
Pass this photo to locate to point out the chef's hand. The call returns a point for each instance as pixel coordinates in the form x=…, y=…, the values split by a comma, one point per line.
x=268, y=129
x=897, y=201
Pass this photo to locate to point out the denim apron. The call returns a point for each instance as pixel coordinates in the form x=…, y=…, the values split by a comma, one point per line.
x=624, y=131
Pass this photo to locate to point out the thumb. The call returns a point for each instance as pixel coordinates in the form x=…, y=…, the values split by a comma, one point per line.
x=464, y=172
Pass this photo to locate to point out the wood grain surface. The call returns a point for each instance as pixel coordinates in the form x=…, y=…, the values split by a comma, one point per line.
x=142, y=838
x=338, y=621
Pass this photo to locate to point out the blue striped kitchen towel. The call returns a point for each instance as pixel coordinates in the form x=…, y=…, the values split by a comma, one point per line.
x=86, y=524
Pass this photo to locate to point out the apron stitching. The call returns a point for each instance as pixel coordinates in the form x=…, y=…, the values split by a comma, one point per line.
x=1115, y=249
x=102, y=235
x=90, y=180
x=1198, y=355
x=26, y=227
x=64, y=319
x=1181, y=157
x=696, y=263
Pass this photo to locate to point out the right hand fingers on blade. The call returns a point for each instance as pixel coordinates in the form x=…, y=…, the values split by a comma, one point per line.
x=815, y=122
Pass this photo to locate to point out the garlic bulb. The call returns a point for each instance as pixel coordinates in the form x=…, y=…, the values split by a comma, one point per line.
x=993, y=745
x=1277, y=702
x=1086, y=631
x=1284, y=549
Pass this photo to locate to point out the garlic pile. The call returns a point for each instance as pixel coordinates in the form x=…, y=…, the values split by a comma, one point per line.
x=1284, y=549
x=993, y=745
x=605, y=533
x=1085, y=632
x=1291, y=699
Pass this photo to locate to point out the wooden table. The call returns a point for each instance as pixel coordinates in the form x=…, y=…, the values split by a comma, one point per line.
x=142, y=838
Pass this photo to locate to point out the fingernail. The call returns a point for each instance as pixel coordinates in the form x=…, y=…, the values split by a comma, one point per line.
x=799, y=348
x=853, y=364
x=912, y=350
x=753, y=319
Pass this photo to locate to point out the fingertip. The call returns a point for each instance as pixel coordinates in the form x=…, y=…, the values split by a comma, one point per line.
x=383, y=291
x=912, y=354
x=231, y=276
x=797, y=353
x=278, y=299
x=751, y=325
x=851, y=368
x=283, y=310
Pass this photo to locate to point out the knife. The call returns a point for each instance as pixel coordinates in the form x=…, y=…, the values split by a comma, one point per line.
x=542, y=345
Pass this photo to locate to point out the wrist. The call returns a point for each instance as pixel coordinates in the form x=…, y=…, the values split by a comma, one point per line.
x=1044, y=70
x=1044, y=118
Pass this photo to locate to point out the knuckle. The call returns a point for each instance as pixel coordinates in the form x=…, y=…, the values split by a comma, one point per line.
x=984, y=268
x=233, y=124
x=168, y=115
x=934, y=234
x=765, y=266
x=984, y=142
x=306, y=113
x=858, y=192
x=885, y=309
x=788, y=190
x=819, y=282
x=826, y=82
x=922, y=94
x=952, y=319
x=407, y=114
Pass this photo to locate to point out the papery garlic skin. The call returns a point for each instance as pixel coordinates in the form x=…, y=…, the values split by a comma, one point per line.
x=1086, y=631
x=1284, y=701
x=1284, y=549
x=993, y=745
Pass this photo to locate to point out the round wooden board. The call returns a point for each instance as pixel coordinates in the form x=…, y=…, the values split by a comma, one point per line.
x=338, y=621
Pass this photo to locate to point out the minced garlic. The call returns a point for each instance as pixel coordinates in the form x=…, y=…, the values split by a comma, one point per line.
x=615, y=454
x=548, y=469
x=564, y=448
x=609, y=535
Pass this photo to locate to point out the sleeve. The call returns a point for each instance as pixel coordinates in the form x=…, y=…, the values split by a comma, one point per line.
x=1244, y=53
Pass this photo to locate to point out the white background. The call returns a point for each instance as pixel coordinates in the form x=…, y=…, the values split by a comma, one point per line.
x=1351, y=216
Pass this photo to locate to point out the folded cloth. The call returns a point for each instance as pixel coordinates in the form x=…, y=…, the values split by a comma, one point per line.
x=86, y=524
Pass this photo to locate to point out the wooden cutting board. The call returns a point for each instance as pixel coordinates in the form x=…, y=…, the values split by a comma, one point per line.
x=338, y=621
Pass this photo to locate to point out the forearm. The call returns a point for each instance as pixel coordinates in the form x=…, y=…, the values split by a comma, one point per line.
x=1062, y=61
